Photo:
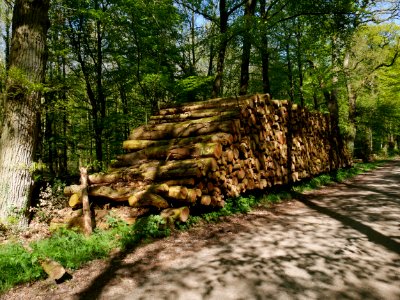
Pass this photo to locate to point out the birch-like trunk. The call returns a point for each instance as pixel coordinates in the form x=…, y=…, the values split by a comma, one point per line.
x=19, y=132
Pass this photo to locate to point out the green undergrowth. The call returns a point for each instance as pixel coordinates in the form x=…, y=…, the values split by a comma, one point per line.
x=19, y=264
x=72, y=249
x=336, y=176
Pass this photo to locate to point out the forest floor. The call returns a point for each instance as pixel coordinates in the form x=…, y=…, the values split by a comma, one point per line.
x=338, y=242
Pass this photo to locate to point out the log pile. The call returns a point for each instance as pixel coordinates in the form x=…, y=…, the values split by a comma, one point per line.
x=201, y=153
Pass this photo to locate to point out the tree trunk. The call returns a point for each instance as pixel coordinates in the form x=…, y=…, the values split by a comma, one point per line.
x=82, y=41
x=211, y=59
x=49, y=136
x=223, y=27
x=99, y=126
x=352, y=98
x=64, y=162
x=193, y=46
x=250, y=6
x=290, y=71
x=7, y=37
x=19, y=133
x=300, y=63
x=264, y=52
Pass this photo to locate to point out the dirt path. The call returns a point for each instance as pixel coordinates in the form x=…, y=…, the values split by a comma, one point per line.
x=341, y=242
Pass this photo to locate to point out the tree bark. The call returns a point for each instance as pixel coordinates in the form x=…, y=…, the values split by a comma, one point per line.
x=223, y=28
x=352, y=98
x=7, y=37
x=87, y=216
x=300, y=62
x=264, y=52
x=290, y=70
x=99, y=125
x=19, y=133
x=6, y=40
x=211, y=59
x=250, y=6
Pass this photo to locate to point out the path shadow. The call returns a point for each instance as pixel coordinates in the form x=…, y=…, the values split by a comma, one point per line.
x=373, y=235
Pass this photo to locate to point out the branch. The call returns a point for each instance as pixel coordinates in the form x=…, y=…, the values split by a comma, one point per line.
x=309, y=14
x=394, y=58
x=357, y=63
x=272, y=5
x=279, y=10
x=197, y=11
x=232, y=10
x=387, y=65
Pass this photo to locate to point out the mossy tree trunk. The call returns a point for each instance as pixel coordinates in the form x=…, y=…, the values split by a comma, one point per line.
x=19, y=132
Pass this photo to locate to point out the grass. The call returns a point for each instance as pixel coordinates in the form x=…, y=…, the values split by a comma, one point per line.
x=72, y=249
x=336, y=176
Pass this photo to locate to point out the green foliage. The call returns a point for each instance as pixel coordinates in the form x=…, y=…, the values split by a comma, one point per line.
x=72, y=249
x=193, y=88
x=153, y=226
x=67, y=247
x=190, y=222
x=373, y=79
x=17, y=266
x=21, y=83
x=336, y=176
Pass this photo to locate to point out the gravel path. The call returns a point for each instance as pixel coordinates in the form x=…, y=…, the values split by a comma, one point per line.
x=340, y=242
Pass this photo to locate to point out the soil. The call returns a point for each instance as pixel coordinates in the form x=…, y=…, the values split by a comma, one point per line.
x=339, y=242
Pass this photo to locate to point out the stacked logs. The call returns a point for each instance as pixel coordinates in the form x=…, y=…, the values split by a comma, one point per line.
x=200, y=153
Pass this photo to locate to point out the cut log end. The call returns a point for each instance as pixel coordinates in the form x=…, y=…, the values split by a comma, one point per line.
x=175, y=214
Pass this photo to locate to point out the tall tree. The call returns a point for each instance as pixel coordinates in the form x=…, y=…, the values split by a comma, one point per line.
x=249, y=9
x=19, y=133
x=372, y=48
x=225, y=11
x=86, y=33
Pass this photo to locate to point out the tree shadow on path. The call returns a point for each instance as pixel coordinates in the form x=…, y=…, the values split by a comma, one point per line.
x=373, y=235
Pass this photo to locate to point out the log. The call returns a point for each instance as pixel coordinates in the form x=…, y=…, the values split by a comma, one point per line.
x=145, y=198
x=116, y=194
x=192, y=195
x=99, y=178
x=159, y=188
x=196, y=114
x=182, y=181
x=87, y=216
x=162, y=171
x=75, y=200
x=183, y=129
x=171, y=215
x=178, y=192
x=205, y=200
x=220, y=137
x=72, y=189
x=232, y=102
x=186, y=168
x=170, y=153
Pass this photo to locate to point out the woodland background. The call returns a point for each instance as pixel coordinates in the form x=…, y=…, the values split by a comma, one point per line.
x=111, y=64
